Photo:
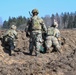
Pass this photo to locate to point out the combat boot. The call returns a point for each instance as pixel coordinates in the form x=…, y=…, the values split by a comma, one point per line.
x=10, y=53
x=30, y=52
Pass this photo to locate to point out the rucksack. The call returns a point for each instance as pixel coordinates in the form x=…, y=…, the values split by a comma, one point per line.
x=8, y=36
x=50, y=31
x=7, y=39
x=36, y=23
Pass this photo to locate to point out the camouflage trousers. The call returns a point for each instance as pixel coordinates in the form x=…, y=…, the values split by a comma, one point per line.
x=51, y=40
x=35, y=42
x=9, y=45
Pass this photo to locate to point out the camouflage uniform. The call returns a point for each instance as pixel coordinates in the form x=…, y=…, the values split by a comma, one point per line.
x=52, y=37
x=35, y=30
x=9, y=38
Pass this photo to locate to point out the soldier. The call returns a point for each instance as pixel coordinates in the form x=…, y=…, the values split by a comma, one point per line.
x=53, y=35
x=9, y=39
x=35, y=27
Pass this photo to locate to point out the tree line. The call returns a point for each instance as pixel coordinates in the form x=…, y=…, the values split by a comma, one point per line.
x=65, y=20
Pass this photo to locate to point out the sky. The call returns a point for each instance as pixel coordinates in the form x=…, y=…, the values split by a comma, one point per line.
x=15, y=8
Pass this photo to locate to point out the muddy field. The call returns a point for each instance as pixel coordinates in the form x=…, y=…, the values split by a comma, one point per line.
x=47, y=64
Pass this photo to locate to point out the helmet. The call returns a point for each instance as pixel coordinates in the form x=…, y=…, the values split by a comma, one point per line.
x=35, y=11
x=55, y=23
x=13, y=27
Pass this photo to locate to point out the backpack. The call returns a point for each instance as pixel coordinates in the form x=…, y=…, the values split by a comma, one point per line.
x=8, y=36
x=36, y=23
x=7, y=39
x=50, y=31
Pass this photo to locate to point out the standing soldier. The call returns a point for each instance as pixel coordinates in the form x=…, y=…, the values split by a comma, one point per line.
x=9, y=39
x=53, y=35
x=35, y=27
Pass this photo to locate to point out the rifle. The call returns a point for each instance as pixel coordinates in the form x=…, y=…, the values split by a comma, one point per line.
x=44, y=35
x=26, y=29
x=30, y=14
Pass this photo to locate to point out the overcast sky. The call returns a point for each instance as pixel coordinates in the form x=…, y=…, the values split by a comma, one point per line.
x=15, y=8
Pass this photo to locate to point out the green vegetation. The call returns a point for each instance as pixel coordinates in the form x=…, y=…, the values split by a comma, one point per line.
x=65, y=20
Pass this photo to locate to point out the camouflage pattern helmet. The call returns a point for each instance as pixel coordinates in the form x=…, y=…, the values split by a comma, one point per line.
x=13, y=27
x=35, y=11
x=55, y=23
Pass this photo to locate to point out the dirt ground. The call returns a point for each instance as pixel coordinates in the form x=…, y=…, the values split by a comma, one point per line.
x=47, y=64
